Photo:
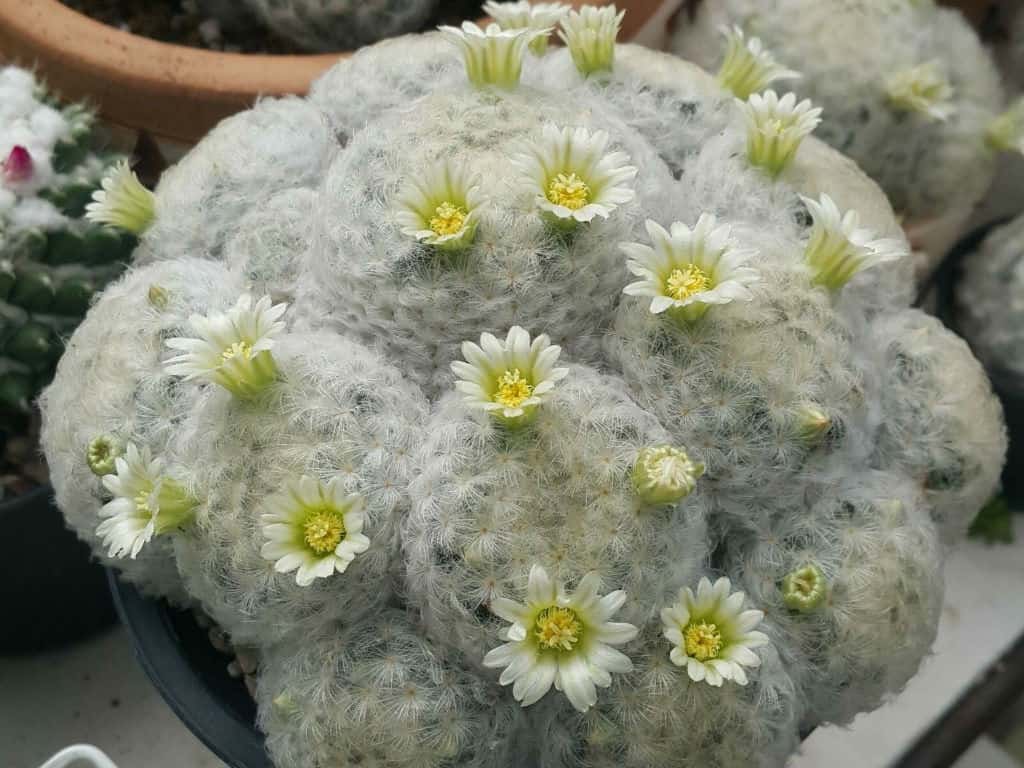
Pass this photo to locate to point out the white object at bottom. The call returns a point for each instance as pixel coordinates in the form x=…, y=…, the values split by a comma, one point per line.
x=79, y=753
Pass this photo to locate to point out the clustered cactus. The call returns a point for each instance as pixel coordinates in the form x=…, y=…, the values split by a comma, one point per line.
x=52, y=259
x=908, y=92
x=591, y=433
x=990, y=302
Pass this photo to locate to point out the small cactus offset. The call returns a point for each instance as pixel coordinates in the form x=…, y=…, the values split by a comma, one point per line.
x=990, y=303
x=528, y=405
x=907, y=88
x=53, y=260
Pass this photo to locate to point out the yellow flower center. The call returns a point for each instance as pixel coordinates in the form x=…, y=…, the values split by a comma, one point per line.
x=558, y=629
x=448, y=219
x=323, y=530
x=513, y=389
x=703, y=641
x=569, y=190
x=142, y=504
x=686, y=281
x=242, y=349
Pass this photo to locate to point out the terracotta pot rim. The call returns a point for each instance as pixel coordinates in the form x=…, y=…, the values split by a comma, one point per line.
x=171, y=91
x=90, y=26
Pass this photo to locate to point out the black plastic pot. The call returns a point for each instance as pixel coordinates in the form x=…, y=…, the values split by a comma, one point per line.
x=51, y=591
x=191, y=675
x=1006, y=386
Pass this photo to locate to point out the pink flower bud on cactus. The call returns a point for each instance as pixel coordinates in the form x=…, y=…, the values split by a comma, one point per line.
x=18, y=165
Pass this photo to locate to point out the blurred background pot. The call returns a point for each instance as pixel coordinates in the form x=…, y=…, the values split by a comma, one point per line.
x=175, y=93
x=176, y=654
x=52, y=592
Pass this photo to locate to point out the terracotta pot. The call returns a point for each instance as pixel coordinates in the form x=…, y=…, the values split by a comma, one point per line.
x=170, y=92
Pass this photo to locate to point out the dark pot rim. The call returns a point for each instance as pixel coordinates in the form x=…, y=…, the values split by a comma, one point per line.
x=191, y=676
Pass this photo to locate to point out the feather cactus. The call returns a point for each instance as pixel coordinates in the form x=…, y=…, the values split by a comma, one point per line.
x=588, y=435
x=907, y=88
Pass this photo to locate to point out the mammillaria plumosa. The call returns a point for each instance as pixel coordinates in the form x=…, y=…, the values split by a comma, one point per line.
x=564, y=452
x=907, y=88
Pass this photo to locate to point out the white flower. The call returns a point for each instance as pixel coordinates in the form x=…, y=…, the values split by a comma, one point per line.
x=688, y=270
x=442, y=207
x=573, y=175
x=923, y=89
x=492, y=56
x=775, y=128
x=748, y=67
x=664, y=475
x=508, y=379
x=145, y=503
x=232, y=348
x=561, y=639
x=524, y=15
x=1006, y=132
x=314, y=527
x=711, y=634
x=838, y=249
x=122, y=202
x=589, y=34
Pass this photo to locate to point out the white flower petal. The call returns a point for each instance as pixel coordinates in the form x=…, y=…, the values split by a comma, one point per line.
x=575, y=681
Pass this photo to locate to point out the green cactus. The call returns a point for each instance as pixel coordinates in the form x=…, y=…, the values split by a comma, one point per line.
x=52, y=260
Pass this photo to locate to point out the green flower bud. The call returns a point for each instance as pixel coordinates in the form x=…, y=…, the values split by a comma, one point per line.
x=664, y=475
x=102, y=454
x=158, y=297
x=804, y=589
